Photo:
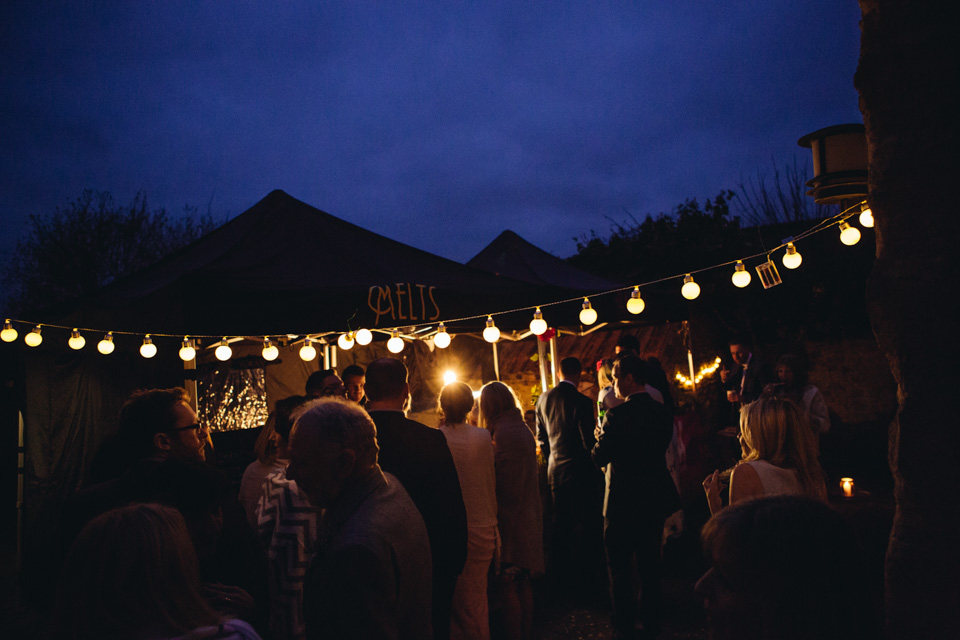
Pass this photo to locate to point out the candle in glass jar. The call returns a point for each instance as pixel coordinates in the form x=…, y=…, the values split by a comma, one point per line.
x=847, y=485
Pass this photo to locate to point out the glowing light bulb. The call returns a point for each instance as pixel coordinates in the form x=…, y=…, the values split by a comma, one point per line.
x=442, y=338
x=449, y=376
x=76, y=340
x=866, y=216
x=538, y=326
x=849, y=235
x=792, y=259
x=395, y=343
x=690, y=289
x=106, y=345
x=33, y=339
x=148, y=349
x=270, y=351
x=9, y=334
x=345, y=341
x=588, y=314
x=491, y=333
x=636, y=304
x=308, y=352
x=740, y=277
x=223, y=352
x=363, y=337
x=187, y=351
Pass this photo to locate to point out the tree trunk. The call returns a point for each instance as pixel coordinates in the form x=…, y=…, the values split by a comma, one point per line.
x=907, y=80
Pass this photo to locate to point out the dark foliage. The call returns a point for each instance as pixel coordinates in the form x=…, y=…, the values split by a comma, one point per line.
x=90, y=243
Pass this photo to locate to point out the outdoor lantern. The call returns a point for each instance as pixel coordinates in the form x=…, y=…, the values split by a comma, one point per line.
x=395, y=343
x=690, y=289
x=741, y=277
x=270, y=351
x=223, y=352
x=76, y=340
x=148, y=349
x=635, y=304
x=345, y=341
x=33, y=339
x=866, y=215
x=9, y=334
x=363, y=337
x=538, y=326
x=849, y=235
x=839, y=163
x=187, y=351
x=106, y=345
x=792, y=259
x=449, y=376
x=588, y=315
x=307, y=351
x=491, y=333
x=442, y=338
x=846, y=484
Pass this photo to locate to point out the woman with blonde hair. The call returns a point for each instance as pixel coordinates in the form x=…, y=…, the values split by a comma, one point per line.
x=472, y=451
x=779, y=456
x=518, y=502
x=132, y=573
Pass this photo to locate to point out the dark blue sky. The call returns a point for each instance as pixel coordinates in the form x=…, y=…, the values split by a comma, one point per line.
x=438, y=125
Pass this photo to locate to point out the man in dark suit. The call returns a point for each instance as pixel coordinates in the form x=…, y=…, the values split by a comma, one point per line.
x=565, y=430
x=419, y=457
x=745, y=381
x=631, y=444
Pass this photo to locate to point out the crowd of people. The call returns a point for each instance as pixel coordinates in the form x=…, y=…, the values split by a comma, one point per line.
x=355, y=521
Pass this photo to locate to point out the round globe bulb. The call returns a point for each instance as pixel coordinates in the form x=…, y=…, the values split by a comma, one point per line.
x=106, y=345
x=9, y=334
x=491, y=334
x=636, y=305
x=538, y=326
x=588, y=315
x=395, y=344
x=308, y=352
x=187, y=352
x=449, y=376
x=741, y=277
x=690, y=289
x=792, y=259
x=849, y=235
x=76, y=341
x=223, y=352
x=33, y=339
x=270, y=352
x=866, y=218
x=148, y=349
x=345, y=341
x=442, y=339
x=363, y=337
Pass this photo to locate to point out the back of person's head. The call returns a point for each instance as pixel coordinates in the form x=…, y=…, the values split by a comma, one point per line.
x=628, y=343
x=131, y=573
x=775, y=430
x=634, y=367
x=147, y=413
x=605, y=372
x=314, y=387
x=335, y=421
x=784, y=567
x=570, y=368
x=284, y=414
x=455, y=402
x=386, y=379
x=495, y=399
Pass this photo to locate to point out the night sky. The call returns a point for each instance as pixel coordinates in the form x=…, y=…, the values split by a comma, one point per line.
x=439, y=125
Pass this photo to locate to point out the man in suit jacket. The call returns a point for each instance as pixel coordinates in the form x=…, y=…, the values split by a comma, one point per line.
x=640, y=493
x=745, y=382
x=565, y=431
x=419, y=457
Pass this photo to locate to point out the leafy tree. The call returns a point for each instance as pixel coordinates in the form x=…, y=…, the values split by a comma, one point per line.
x=90, y=243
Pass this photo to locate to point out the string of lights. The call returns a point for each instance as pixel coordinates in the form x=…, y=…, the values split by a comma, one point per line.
x=741, y=277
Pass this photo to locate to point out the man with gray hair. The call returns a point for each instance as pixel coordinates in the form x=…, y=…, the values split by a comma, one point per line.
x=371, y=575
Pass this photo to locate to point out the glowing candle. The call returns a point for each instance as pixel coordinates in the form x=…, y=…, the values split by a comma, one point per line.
x=847, y=485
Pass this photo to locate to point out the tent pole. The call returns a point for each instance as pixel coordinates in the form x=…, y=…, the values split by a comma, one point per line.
x=18, y=567
x=553, y=359
x=496, y=362
x=542, y=361
x=332, y=352
x=190, y=382
x=693, y=380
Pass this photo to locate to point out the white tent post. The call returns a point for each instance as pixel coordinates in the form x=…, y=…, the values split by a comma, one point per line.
x=496, y=362
x=542, y=361
x=553, y=359
x=693, y=380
